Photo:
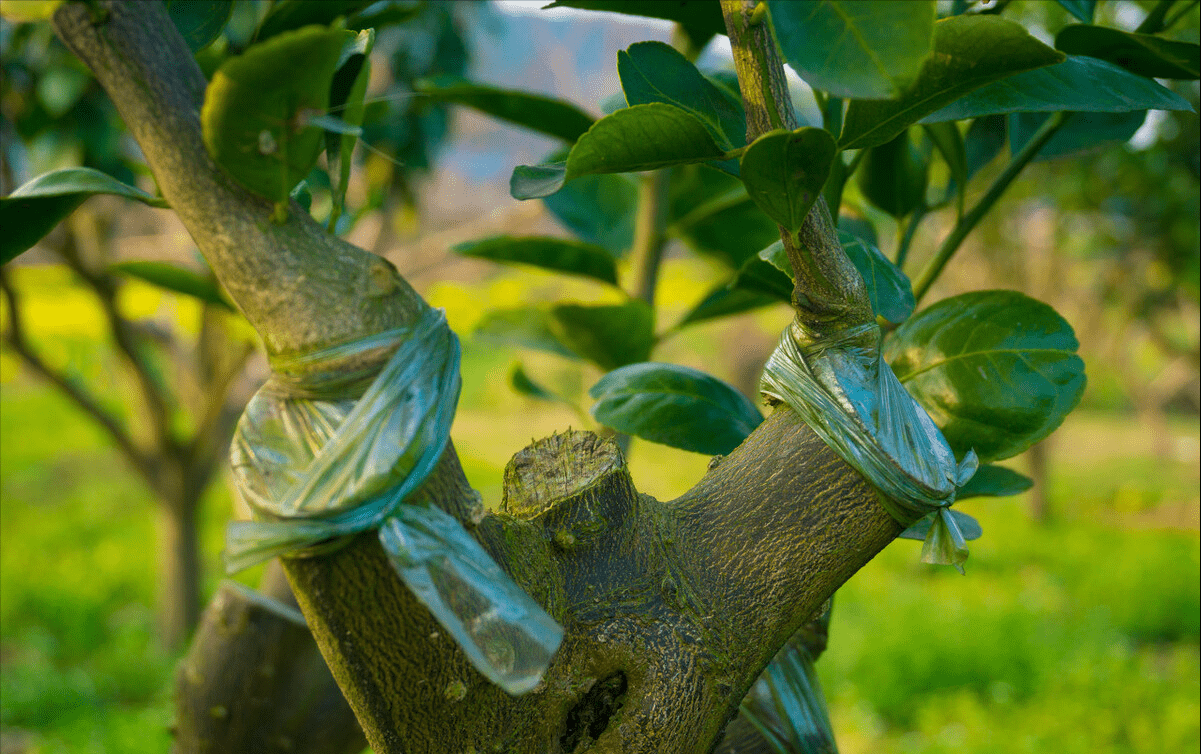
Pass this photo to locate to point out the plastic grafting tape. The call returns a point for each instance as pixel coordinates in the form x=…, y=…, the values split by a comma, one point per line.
x=840, y=385
x=326, y=449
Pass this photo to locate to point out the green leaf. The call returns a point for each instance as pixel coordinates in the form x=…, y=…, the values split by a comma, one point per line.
x=968, y=526
x=969, y=52
x=522, y=383
x=546, y=115
x=642, y=137
x=855, y=49
x=1083, y=132
x=892, y=176
x=527, y=327
x=674, y=405
x=288, y=15
x=557, y=254
x=888, y=288
x=994, y=481
x=199, y=23
x=257, y=106
x=1143, y=54
x=996, y=370
x=784, y=172
x=1079, y=83
x=176, y=279
x=725, y=301
x=710, y=211
x=608, y=336
x=600, y=209
x=33, y=209
x=700, y=18
x=1081, y=9
x=537, y=181
x=656, y=72
x=347, y=92
x=949, y=143
x=757, y=275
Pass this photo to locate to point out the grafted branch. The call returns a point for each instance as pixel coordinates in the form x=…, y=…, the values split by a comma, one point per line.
x=671, y=610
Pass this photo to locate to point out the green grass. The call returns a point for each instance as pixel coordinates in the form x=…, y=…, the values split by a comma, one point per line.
x=1076, y=636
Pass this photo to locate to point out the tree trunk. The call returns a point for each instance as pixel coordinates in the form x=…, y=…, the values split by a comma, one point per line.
x=1040, y=493
x=179, y=572
x=254, y=682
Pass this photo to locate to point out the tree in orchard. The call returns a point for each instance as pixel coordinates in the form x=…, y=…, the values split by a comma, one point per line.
x=584, y=615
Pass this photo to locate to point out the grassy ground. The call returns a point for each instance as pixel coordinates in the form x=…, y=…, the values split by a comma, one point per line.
x=1080, y=635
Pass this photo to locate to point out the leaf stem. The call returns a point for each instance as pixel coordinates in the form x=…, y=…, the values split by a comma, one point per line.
x=650, y=237
x=966, y=223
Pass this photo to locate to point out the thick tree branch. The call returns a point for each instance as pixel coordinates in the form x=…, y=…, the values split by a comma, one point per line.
x=300, y=287
x=671, y=610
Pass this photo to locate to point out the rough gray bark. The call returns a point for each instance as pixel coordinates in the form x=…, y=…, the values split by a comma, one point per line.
x=671, y=610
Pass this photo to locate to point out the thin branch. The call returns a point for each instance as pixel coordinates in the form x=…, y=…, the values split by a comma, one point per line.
x=17, y=340
x=126, y=339
x=966, y=223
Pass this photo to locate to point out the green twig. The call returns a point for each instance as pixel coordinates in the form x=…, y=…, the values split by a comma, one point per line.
x=965, y=225
x=1169, y=23
x=1154, y=22
x=910, y=229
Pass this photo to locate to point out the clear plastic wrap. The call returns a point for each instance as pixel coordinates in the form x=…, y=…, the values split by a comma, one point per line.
x=326, y=449
x=841, y=386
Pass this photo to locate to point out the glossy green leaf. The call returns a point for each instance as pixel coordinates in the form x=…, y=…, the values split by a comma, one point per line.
x=968, y=526
x=288, y=15
x=996, y=370
x=674, y=405
x=1078, y=84
x=969, y=52
x=199, y=23
x=710, y=211
x=347, y=92
x=256, y=109
x=526, y=327
x=642, y=137
x=537, y=181
x=556, y=254
x=784, y=172
x=725, y=301
x=1081, y=9
x=1083, y=132
x=176, y=279
x=546, y=115
x=524, y=384
x=656, y=72
x=994, y=481
x=1143, y=54
x=757, y=275
x=381, y=15
x=893, y=175
x=608, y=336
x=700, y=18
x=888, y=288
x=600, y=209
x=852, y=48
x=33, y=209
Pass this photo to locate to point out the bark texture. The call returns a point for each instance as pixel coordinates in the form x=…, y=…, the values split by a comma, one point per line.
x=671, y=609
